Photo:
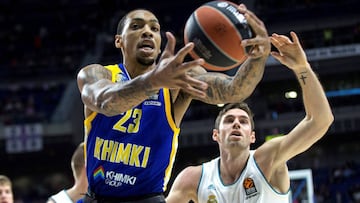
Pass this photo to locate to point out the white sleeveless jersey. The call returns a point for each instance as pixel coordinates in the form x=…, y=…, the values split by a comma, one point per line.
x=251, y=187
x=61, y=197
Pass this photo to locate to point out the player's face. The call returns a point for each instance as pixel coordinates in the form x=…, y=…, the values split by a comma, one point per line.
x=6, y=195
x=235, y=129
x=141, y=38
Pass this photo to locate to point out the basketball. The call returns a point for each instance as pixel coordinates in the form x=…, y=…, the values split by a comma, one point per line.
x=217, y=28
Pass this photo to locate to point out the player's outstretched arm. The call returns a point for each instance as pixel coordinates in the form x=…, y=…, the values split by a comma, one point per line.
x=100, y=94
x=318, y=116
x=226, y=89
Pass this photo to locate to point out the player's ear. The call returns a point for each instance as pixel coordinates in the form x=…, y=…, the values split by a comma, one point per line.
x=118, y=41
x=252, y=137
x=215, y=135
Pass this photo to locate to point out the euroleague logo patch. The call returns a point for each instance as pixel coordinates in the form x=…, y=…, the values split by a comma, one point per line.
x=249, y=187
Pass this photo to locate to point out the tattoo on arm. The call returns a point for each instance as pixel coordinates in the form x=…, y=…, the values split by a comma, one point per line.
x=103, y=96
x=96, y=74
x=224, y=88
x=303, y=76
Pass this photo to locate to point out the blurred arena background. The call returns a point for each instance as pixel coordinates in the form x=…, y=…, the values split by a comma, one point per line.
x=44, y=44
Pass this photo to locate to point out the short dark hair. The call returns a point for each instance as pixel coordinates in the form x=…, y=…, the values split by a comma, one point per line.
x=121, y=24
x=241, y=105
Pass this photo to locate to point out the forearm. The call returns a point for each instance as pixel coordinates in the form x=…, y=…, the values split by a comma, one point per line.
x=115, y=98
x=226, y=89
x=246, y=79
x=314, y=98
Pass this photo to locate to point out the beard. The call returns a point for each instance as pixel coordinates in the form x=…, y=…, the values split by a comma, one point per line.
x=145, y=62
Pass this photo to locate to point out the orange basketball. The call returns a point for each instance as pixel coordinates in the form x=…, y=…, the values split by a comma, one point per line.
x=217, y=28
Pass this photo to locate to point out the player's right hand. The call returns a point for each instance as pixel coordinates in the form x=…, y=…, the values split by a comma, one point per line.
x=260, y=43
x=171, y=70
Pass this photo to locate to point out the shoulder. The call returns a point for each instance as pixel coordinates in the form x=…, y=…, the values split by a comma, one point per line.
x=92, y=73
x=269, y=148
x=93, y=70
x=91, y=67
x=190, y=176
x=191, y=172
x=267, y=157
x=185, y=185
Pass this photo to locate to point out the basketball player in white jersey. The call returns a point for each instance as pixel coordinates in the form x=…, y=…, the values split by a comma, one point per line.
x=79, y=188
x=242, y=175
x=6, y=192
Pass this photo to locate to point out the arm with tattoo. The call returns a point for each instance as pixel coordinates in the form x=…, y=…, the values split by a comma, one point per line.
x=226, y=89
x=100, y=94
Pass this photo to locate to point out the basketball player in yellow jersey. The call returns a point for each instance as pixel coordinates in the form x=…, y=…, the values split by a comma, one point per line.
x=242, y=175
x=133, y=109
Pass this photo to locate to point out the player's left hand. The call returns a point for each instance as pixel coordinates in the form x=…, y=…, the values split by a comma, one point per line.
x=290, y=53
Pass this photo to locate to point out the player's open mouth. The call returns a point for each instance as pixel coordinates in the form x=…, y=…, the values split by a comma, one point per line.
x=235, y=133
x=146, y=44
x=146, y=47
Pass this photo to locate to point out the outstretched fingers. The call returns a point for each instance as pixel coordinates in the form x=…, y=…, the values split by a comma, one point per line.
x=181, y=54
x=198, y=84
x=170, y=46
x=173, y=69
x=193, y=90
x=280, y=40
x=275, y=40
x=289, y=51
x=294, y=37
x=255, y=23
x=260, y=43
x=193, y=87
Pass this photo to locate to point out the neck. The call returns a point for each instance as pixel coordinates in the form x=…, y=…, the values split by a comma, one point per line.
x=135, y=70
x=232, y=165
x=78, y=190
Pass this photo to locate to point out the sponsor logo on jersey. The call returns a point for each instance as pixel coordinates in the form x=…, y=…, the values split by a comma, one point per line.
x=152, y=103
x=211, y=196
x=113, y=178
x=99, y=173
x=125, y=153
x=250, y=188
x=212, y=199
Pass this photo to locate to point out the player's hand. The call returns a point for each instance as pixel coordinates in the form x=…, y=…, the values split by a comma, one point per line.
x=290, y=53
x=260, y=43
x=171, y=70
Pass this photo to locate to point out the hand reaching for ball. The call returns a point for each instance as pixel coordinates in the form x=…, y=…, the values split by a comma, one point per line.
x=260, y=43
